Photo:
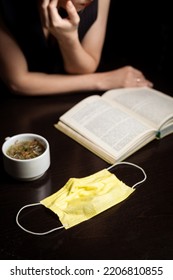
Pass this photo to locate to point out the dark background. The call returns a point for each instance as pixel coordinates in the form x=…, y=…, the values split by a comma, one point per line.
x=141, y=36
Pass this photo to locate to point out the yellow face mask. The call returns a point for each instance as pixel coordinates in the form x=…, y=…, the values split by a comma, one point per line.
x=83, y=198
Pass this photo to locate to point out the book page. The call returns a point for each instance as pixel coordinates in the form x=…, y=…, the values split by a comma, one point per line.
x=149, y=103
x=111, y=128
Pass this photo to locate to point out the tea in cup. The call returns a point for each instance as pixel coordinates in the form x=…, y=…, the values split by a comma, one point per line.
x=26, y=156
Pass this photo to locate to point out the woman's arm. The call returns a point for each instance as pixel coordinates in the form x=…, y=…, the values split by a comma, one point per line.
x=79, y=57
x=14, y=72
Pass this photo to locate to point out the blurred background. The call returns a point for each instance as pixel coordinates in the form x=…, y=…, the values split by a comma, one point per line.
x=141, y=36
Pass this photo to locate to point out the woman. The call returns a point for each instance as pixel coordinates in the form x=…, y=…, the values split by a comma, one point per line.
x=55, y=46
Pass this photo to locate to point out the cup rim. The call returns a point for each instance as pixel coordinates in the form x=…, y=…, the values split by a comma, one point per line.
x=34, y=135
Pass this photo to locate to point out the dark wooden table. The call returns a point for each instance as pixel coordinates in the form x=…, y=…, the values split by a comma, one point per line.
x=141, y=227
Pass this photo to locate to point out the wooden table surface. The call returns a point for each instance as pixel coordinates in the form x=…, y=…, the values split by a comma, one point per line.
x=141, y=227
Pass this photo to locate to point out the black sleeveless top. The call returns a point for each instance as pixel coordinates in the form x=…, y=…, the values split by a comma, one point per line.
x=23, y=20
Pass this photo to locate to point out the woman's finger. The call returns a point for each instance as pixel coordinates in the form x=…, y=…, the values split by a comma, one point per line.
x=43, y=7
x=72, y=13
x=54, y=16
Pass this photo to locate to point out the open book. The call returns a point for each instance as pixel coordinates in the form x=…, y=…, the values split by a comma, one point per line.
x=120, y=122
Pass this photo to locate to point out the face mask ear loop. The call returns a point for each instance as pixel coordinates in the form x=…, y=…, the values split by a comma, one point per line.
x=132, y=164
x=35, y=233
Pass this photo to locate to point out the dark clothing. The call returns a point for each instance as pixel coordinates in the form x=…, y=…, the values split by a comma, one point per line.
x=23, y=20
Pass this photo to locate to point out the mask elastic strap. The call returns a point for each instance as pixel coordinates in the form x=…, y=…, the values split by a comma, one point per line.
x=32, y=232
x=132, y=164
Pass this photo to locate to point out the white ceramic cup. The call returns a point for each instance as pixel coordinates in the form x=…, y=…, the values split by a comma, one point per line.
x=27, y=169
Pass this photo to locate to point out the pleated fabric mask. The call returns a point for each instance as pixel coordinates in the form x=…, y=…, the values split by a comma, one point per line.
x=83, y=198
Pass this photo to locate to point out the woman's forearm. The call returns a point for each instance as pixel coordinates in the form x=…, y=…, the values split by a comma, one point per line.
x=45, y=84
x=75, y=57
x=78, y=57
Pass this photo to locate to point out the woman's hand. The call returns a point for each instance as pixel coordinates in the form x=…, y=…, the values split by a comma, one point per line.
x=54, y=23
x=123, y=77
